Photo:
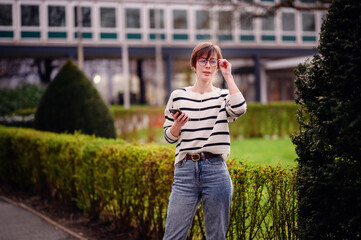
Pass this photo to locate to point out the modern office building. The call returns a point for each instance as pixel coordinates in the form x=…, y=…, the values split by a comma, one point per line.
x=142, y=48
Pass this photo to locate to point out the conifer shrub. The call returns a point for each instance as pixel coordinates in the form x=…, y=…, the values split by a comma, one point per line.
x=328, y=145
x=71, y=103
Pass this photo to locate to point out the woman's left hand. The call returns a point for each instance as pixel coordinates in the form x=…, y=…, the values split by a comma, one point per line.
x=225, y=67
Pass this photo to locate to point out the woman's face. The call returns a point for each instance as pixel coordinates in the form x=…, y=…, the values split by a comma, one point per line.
x=206, y=68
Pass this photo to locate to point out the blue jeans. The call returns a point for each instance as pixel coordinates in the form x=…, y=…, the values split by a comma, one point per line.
x=208, y=180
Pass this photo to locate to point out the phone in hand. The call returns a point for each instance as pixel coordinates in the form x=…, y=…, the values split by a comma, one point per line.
x=175, y=110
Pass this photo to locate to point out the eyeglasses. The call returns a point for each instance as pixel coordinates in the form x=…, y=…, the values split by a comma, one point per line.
x=213, y=62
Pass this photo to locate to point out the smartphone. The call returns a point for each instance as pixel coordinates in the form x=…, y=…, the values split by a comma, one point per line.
x=175, y=110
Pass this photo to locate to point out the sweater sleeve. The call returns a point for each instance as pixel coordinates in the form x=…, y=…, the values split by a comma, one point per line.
x=168, y=136
x=235, y=106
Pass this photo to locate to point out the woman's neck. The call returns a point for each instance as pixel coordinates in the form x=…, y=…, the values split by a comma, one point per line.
x=200, y=87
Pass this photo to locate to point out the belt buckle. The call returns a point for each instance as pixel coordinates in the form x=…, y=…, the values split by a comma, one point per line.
x=195, y=159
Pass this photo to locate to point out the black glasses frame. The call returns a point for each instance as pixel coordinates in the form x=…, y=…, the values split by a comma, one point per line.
x=212, y=62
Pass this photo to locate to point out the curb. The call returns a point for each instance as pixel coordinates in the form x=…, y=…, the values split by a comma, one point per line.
x=55, y=224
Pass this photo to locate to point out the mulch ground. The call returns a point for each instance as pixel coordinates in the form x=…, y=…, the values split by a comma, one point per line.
x=74, y=220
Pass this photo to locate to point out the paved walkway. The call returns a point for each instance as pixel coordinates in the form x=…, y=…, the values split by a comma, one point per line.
x=20, y=223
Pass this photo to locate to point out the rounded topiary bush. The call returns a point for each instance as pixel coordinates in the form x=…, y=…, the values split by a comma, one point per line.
x=71, y=103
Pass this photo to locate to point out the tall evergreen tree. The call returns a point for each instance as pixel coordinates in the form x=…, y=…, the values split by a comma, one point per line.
x=329, y=143
x=71, y=103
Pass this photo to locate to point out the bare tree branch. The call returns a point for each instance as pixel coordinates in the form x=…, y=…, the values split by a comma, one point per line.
x=272, y=10
x=268, y=9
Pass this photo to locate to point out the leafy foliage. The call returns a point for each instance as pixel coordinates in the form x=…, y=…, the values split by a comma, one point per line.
x=71, y=103
x=329, y=145
x=24, y=96
x=264, y=203
x=129, y=184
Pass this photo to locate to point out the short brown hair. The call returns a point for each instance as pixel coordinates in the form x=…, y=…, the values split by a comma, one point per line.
x=204, y=48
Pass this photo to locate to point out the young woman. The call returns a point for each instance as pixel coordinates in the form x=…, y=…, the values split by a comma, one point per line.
x=203, y=143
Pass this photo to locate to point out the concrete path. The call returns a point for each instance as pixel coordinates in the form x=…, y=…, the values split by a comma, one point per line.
x=22, y=223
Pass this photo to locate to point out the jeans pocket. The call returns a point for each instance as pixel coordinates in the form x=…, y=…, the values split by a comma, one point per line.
x=180, y=164
x=215, y=161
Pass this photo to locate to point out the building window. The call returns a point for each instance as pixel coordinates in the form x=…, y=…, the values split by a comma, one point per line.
x=288, y=22
x=225, y=20
x=85, y=16
x=202, y=19
x=308, y=22
x=29, y=15
x=246, y=19
x=6, y=18
x=56, y=16
x=107, y=17
x=153, y=18
x=180, y=19
x=268, y=23
x=132, y=17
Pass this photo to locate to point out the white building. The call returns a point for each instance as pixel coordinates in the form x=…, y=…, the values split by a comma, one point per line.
x=118, y=35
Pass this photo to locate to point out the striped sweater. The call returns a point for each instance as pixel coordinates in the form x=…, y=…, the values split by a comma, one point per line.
x=207, y=128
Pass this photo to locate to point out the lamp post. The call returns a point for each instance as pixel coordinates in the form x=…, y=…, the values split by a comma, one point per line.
x=80, y=36
x=125, y=64
x=158, y=59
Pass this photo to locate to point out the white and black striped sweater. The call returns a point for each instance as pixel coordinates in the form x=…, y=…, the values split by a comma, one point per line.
x=207, y=129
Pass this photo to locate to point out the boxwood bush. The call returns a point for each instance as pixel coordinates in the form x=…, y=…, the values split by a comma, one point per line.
x=129, y=184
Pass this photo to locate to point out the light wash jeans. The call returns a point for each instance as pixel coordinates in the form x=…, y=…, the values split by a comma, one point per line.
x=208, y=180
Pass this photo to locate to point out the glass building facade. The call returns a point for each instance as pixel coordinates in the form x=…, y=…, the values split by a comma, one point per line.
x=176, y=26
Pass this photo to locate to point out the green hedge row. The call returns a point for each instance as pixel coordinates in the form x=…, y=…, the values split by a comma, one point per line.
x=138, y=122
x=261, y=120
x=129, y=184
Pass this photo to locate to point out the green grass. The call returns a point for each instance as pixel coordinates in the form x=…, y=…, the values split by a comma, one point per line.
x=255, y=150
x=264, y=151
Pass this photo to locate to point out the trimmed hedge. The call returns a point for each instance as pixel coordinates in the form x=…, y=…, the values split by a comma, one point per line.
x=261, y=120
x=46, y=162
x=128, y=121
x=130, y=184
x=266, y=120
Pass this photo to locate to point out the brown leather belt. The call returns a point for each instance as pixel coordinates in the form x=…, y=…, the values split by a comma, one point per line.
x=200, y=156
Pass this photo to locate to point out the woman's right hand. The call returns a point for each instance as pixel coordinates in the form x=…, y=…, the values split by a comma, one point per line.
x=179, y=122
